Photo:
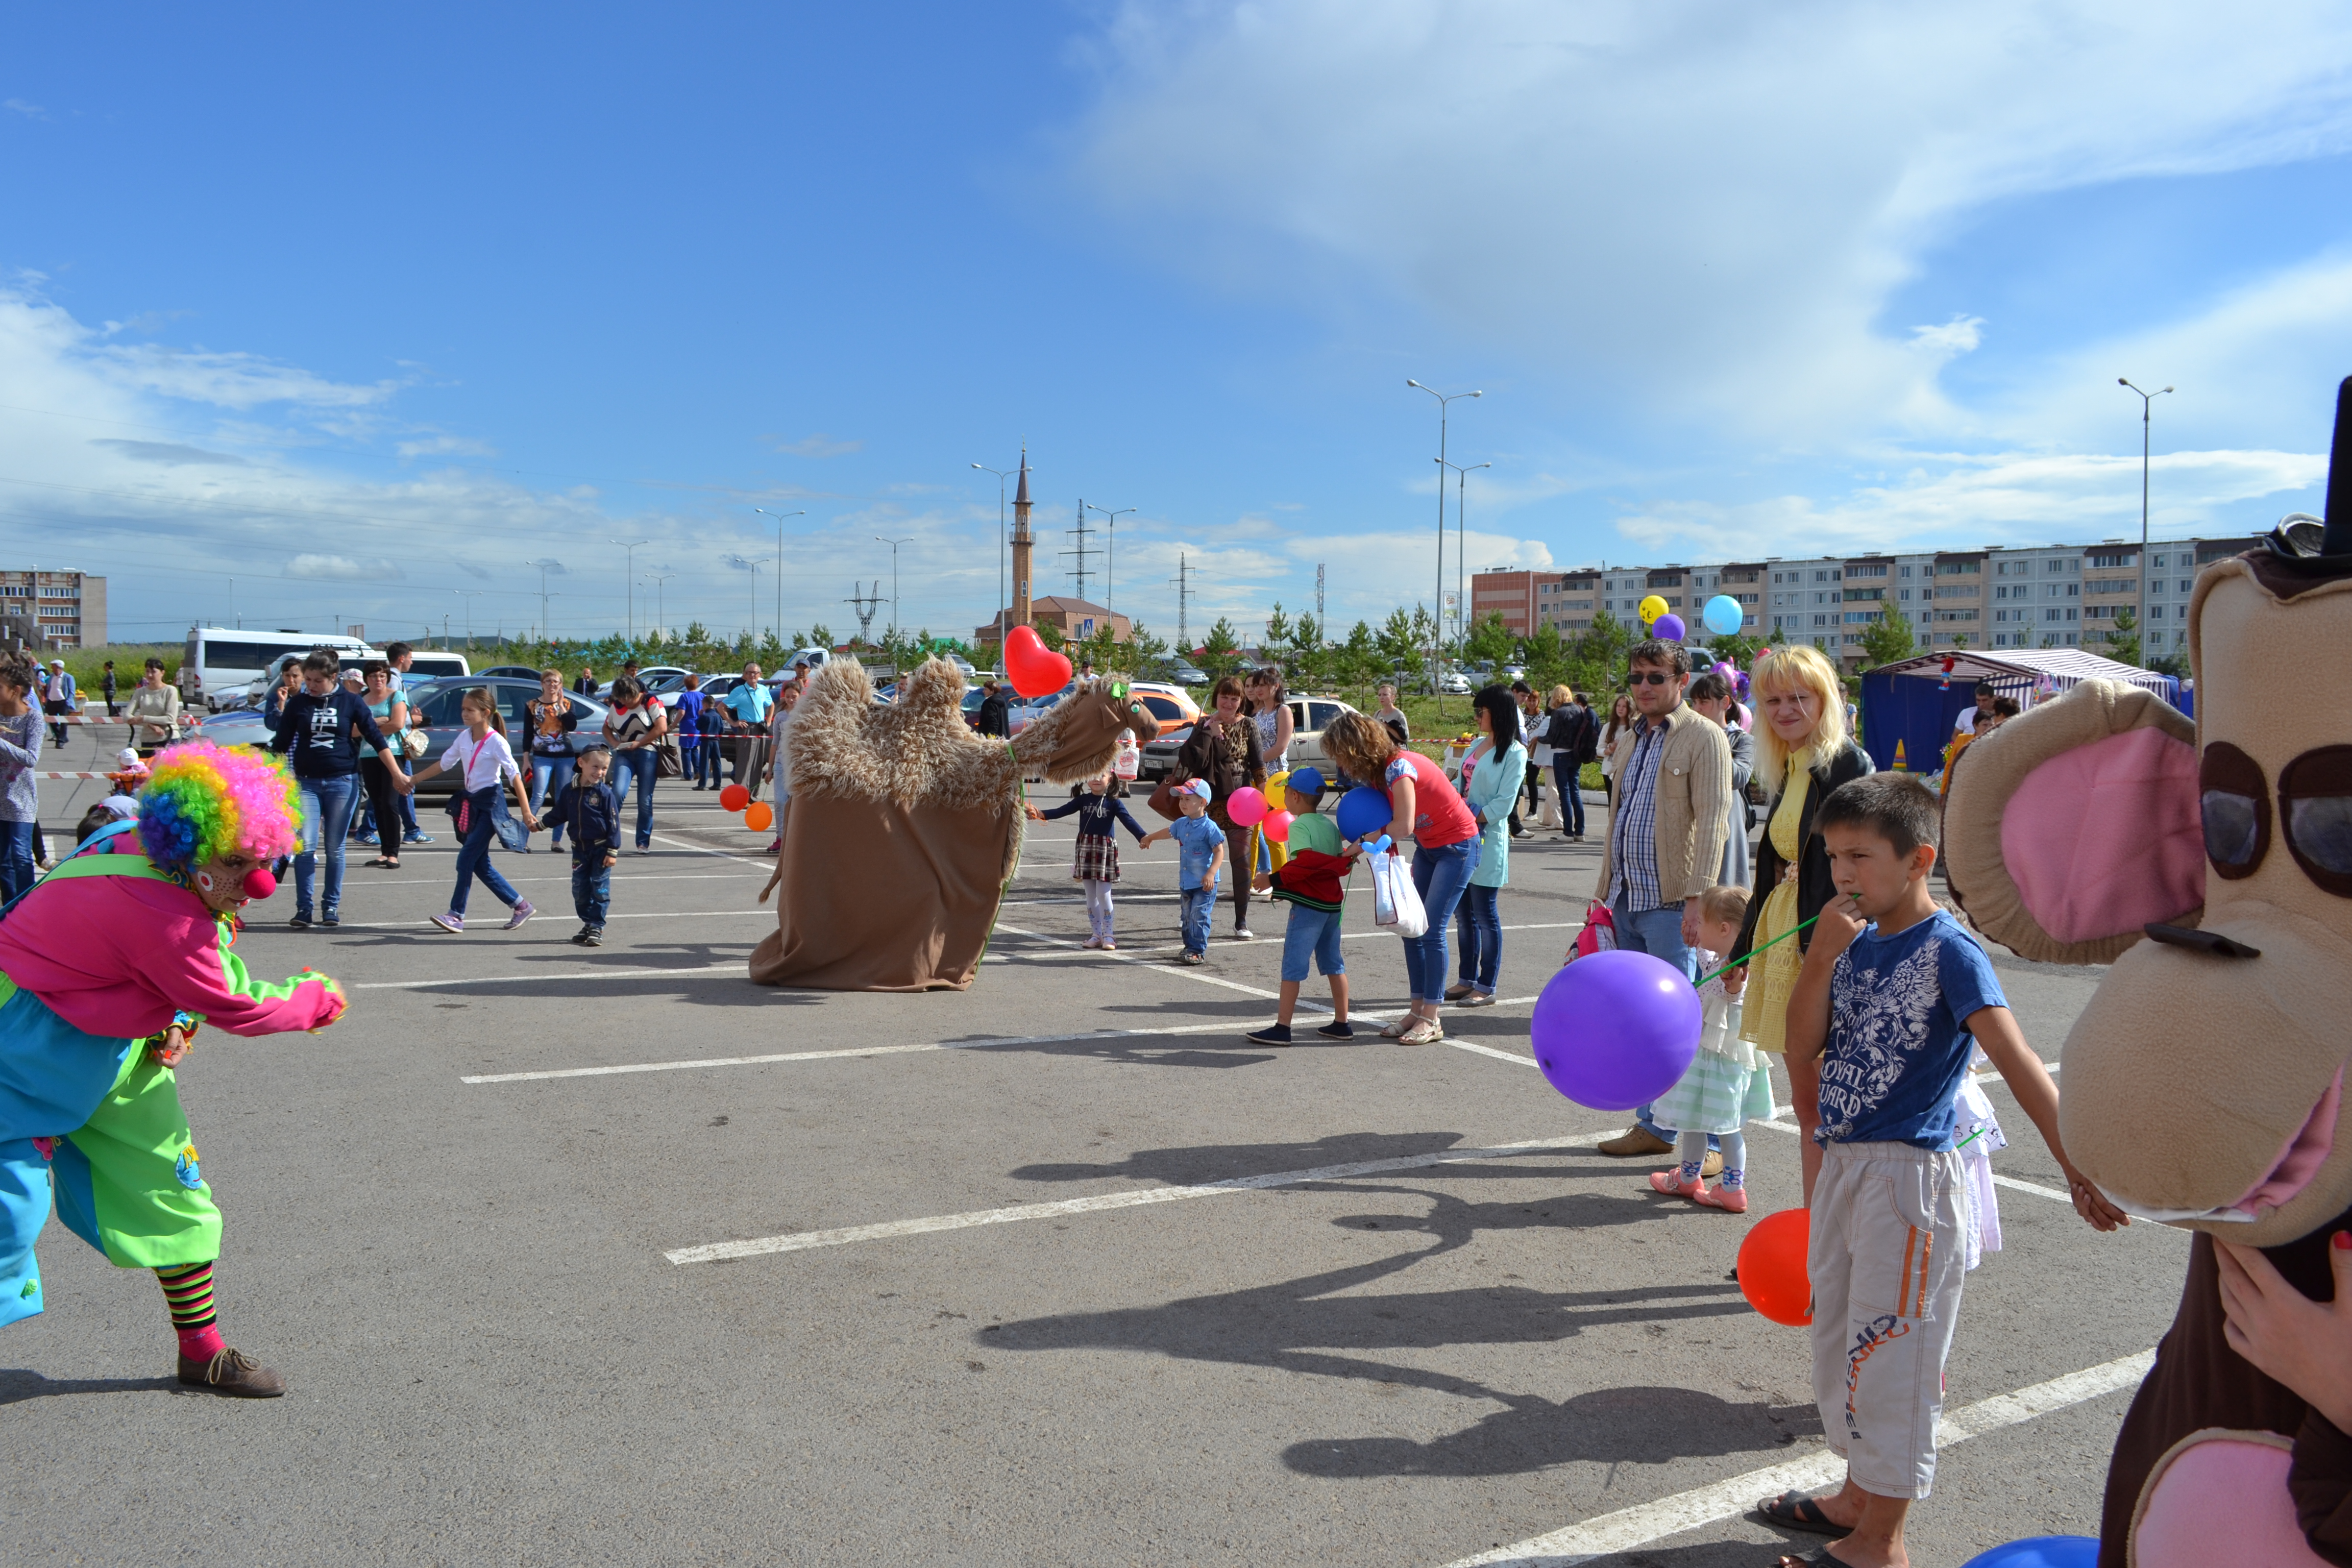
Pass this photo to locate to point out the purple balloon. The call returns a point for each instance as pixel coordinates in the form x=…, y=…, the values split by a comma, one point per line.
x=1616, y=1029
x=1667, y=628
x=1726, y=668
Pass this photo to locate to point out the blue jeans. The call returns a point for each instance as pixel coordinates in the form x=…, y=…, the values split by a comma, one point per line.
x=326, y=816
x=1482, y=937
x=702, y=763
x=16, y=858
x=1438, y=876
x=592, y=890
x=549, y=774
x=474, y=856
x=1571, y=797
x=640, y=765
x=1195, y=905
x=1311, y=934
x=1659, y=933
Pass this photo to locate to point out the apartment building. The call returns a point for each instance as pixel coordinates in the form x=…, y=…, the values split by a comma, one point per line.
x=68, y=607
x=2057, y=596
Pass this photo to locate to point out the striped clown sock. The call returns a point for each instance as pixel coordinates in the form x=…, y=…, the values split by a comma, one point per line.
x=188, y=1294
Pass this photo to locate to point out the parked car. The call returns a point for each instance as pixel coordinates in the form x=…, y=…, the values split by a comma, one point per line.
x=437, y=703
x=514, y=671
x=1184, y=672
x=1310, y=717
x=237, y=727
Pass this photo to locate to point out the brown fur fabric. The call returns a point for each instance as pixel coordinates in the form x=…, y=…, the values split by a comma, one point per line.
x=904, y=825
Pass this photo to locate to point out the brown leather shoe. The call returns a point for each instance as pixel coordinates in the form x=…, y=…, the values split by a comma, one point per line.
x=1712, y=1166
x=1634, y=1143
x=235, y=1374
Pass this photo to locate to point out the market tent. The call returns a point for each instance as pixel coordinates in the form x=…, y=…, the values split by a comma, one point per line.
x=1913, y=702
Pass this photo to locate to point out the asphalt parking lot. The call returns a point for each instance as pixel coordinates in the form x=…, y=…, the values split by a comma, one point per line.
x=574, y=1255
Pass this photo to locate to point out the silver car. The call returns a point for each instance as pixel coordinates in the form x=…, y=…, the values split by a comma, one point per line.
x=1310, y=717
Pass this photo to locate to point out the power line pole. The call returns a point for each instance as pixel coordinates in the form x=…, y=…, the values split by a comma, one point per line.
x=1183, y=601
x=864, y=607
x=629, y=582
x=661, y=586
x=1083, y=548
x=1319, y=601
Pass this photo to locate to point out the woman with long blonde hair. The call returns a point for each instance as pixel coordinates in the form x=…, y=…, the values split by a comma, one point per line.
x=1804, y=753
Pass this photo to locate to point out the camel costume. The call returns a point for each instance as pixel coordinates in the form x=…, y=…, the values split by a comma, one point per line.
x=904, y=827
x=2204, y=1079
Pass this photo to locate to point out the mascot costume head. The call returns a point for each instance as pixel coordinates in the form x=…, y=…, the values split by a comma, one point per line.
x=905, y=827
x=2211, y=864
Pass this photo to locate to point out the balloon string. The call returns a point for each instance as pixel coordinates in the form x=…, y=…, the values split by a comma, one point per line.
x=1754, y=950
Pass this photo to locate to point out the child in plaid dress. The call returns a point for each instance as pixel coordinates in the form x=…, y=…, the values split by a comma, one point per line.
x=1728, y=1082
x=1096, y=862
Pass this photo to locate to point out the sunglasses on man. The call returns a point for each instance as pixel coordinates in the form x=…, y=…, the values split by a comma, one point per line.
x=1651, y=678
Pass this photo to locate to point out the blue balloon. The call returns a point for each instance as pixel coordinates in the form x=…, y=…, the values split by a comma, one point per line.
x=1723, y=615
x=2042, y=1552
x=1363, y=810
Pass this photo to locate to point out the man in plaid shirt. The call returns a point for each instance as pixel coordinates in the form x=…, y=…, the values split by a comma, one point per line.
x=1665, y=833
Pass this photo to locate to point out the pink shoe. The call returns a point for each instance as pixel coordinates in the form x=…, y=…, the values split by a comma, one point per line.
x=522, y=912
x=1669, y=1184
x=1730, y=1200
x=1091, y=942
x=1108, y=946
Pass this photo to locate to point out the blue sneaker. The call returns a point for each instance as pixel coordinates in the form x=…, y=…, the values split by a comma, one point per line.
x=416, y=837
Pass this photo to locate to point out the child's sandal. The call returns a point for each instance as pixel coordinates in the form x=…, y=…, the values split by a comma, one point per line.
x=1730, y=1200
x=1669, y=1184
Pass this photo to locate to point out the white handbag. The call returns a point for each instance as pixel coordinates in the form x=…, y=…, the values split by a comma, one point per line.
x=1396, y=902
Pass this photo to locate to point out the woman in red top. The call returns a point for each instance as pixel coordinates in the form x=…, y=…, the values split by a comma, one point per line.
x=1423, y=807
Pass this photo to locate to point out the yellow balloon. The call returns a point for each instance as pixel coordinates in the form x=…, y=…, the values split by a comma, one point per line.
x=1651, y=609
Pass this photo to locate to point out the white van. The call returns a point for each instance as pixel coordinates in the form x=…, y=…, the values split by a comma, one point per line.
x=228, y=659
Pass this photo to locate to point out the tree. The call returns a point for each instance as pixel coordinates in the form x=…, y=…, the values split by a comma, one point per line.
x=1051, y=636
x=1357, y=661
x=1144, y=650
x=1491, y=640
x=1738, y=648
x=2172, y=664
x=1547, y=657
x=1597, y=661
x=820, y=635
x=1221, y=649
x=1886, y=640
x=1395, y=641
x=2123, y=643
x=1277, y=632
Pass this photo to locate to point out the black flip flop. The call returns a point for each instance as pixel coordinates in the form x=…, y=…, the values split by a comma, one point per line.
x=1819, y=1557
x=1795, y=1511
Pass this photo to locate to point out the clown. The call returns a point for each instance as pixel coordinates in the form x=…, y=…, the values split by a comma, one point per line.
x=108, y=967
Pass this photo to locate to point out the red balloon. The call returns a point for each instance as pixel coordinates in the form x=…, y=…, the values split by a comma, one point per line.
x=1773, y=1273
x=734, y=797
x=1034, y=669
x=1277, y=826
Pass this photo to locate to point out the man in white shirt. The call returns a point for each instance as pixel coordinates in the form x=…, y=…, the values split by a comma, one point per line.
x=1965, y=722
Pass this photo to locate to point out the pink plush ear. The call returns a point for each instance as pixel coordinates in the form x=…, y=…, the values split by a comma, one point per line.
x=2106, y=837
x=2069, y=830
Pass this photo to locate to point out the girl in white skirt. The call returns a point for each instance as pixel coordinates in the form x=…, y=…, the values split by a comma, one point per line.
x=1096, y=865
x=1728, y=1082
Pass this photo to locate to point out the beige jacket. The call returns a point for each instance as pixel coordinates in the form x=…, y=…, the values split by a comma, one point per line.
x=1694, y=806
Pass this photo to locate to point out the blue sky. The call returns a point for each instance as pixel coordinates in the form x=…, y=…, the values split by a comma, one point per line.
x=368, y=311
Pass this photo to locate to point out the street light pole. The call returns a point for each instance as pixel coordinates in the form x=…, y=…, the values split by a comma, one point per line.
x=661, y=609
x=1461, y=545
x=1003, y=609
x=1438, y=603
x=629, y=585
x=1110, y=521
x=469, y=594
x=2146, y=401
x=894, y=544
x=764, y=511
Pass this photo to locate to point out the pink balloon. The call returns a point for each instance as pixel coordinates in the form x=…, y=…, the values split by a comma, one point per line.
x=1246, y=805
x=1277, y=826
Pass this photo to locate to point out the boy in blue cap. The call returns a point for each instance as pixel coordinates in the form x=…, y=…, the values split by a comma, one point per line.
x=1314, y=882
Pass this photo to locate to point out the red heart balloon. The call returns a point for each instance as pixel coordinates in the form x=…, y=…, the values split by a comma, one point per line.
x=1035, y=670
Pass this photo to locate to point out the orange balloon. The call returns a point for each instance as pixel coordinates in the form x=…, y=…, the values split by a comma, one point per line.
x=758, y=817
x=734, y=797
x=1773, y=1273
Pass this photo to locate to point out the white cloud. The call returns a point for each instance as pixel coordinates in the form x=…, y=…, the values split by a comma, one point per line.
x=29, y=111
x=445, y=446
x=170, y=454
x=1706, y=209
x=342, y=569
x=819, y=445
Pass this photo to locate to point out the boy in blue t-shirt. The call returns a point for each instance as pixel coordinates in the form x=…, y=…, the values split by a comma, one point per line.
x=1200, y=844
x=1882, y=1024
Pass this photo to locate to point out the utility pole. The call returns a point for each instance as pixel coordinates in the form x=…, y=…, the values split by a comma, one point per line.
x=1318, y=600
x=1083, y=550
x=779, y=516
x=470, y=595
x=2147, y=401
x=1110, y=552
x=865, y=606
x=545, y=625
x=1442, y=400
x=1183, y=601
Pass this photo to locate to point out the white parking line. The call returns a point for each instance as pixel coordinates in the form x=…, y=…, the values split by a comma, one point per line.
x=802, y=1241
x=1630, y=1528
x=1999, y=1179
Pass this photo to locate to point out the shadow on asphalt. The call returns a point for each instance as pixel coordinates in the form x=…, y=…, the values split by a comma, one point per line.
x=20, y=1383
x=1323, y=1325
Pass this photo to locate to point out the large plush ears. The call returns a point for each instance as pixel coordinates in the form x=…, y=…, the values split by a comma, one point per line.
x=2070, y=829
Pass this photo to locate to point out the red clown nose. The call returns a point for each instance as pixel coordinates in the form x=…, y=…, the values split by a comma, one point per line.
x=259, y=883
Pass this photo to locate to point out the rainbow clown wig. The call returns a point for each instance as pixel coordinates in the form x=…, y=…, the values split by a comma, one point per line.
x=203, y=801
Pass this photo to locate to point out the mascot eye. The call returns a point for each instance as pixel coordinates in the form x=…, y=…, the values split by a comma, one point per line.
x=2236, y=804
x=2315, y=799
